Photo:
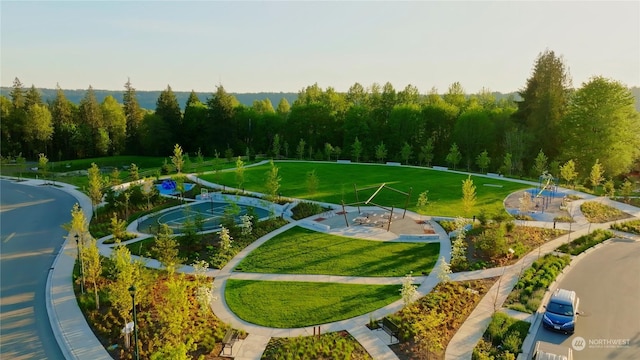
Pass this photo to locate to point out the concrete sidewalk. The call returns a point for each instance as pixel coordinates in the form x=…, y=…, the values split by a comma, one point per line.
x=77, y=341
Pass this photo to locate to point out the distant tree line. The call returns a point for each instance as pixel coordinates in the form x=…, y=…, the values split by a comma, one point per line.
x=550, y=124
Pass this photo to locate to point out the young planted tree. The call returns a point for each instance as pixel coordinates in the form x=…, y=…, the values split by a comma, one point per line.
x=272, y=182
x=540, y=164
x=626, y=189
x=276, y=146
x=134, y=172
x=568, y=172
x=409, y=291
x=609, y=188
x=459, y=245
x=596, y=174
x=381, y=152
x=483, y=160
x=328, y=151
x=426, y=151
x=356, y=149
x=166, y=249
x=178, y=158
x=125, y=274
x=468, y=196
x=300, y=149
x=239, y=172
x=405, y=153
x=43, y=165
x=507, y=164
x=92, y=266
x=115, y=177
x=454, y=156
x=423, y=201
x=173, y=317
x=312, y=182
x=21, y=162
x=428, y=334
x=118, y=228
x=95, y=186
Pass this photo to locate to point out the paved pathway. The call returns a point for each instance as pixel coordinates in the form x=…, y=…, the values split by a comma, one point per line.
x=70, y=327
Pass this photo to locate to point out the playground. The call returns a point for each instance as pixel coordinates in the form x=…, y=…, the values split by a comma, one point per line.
x=209, y=213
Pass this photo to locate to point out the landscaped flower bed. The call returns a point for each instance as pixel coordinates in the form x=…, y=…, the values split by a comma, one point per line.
x=427, y=325
x=632, y=226
x=503, y=338
x=586, y=241
x=335, y=345
x=596, y=212
x=530, y=288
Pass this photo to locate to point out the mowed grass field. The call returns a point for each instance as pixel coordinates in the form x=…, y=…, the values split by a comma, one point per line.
x=302, y=251
x=298, y=304
x=337, y=181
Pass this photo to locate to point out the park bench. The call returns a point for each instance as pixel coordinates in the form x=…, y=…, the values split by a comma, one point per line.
x=228, y=341
x=390, y=328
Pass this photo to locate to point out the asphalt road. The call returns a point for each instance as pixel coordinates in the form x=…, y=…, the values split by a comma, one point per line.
x=607, y=282
x=31, y=235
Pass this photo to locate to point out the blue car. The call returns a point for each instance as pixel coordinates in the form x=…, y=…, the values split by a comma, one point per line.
x=561, y=311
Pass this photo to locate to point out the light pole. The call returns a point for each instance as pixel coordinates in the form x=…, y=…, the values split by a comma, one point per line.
x=80, y=263
x=132, y=291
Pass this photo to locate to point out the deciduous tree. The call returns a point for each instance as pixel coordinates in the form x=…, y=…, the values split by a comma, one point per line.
x=568, y=172
x=596, y=174
x=602, y=123
x=454, y=156
x=483, y=160
x=468, y=195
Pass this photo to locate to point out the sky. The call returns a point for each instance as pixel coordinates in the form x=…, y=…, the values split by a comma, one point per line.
x=269, y=46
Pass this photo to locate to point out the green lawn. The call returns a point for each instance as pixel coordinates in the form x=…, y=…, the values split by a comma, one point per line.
x=303, y=251
x=283, y=304
x=336, y=182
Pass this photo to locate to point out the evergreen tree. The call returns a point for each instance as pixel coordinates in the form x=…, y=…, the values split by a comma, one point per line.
x=134, y=116
x=220, y=126
x=64, y=124
x=168, y=110
x=91, y=139
x=544, y=103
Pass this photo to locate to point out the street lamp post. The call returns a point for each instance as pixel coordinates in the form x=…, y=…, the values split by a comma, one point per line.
x=80, y=263
x=132, y=291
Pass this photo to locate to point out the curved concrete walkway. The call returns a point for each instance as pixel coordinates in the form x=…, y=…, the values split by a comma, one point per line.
x=71, y=329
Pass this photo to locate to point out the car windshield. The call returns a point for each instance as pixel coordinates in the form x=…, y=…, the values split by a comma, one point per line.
x=560, y=309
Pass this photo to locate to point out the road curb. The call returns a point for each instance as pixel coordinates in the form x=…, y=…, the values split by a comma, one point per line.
x=528, y=342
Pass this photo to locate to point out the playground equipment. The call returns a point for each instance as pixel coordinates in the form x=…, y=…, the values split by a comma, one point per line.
x=388, y=218
x=546, y=190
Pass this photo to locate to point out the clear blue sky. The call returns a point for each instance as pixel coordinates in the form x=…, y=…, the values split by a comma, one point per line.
x=285, y=46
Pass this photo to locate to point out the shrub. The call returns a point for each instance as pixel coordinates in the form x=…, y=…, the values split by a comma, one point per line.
x=530, y=288
x=632, y=226
x=596, y=212
x=502, y=339
x=305, y=209
x=585, y=242
x=448, y=225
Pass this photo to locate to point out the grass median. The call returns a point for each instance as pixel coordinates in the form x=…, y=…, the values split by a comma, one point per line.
x=303, y=251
